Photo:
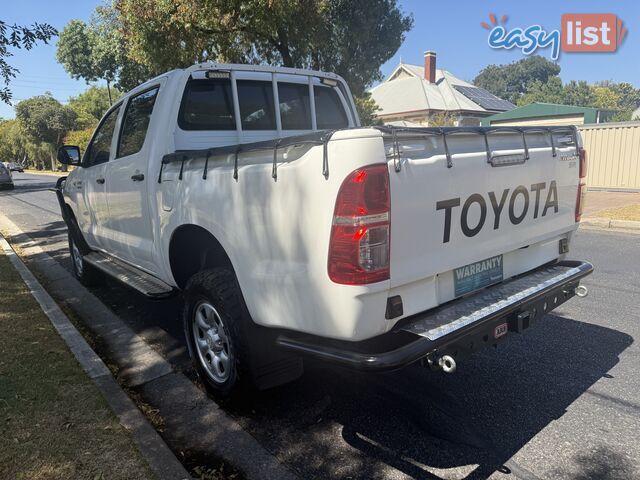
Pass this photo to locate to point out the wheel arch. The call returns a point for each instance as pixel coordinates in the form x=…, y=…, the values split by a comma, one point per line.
x=193, y=248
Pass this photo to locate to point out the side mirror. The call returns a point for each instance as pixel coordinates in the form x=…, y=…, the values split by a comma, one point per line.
x=69, y=155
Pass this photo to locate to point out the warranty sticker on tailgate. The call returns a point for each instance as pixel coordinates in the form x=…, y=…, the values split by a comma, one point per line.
x=477, y=275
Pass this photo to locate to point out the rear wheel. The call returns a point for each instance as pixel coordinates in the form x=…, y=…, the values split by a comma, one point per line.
x=215, y=332
x=85, y=273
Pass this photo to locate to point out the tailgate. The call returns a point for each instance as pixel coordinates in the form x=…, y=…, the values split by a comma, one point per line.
x=464, y=216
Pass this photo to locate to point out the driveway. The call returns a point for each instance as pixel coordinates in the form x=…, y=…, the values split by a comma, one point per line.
x=561, y=401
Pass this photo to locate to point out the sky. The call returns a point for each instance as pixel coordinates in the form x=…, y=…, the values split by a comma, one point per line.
x=451, y=28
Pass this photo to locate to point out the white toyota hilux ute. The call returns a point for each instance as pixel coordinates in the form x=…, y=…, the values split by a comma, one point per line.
x=291, y=231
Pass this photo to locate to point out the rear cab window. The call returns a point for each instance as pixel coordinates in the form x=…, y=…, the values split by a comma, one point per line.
x=330, y=112
x=207, y=104
x=295, y=111
x=136, y=122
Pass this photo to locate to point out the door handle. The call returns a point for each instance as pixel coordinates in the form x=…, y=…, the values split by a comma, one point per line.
x=138, y=177
x=100, y=180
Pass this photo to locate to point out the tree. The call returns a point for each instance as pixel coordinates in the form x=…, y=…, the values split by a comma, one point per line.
x=367, y=108
x=443, y=119
x=545, y=92
x=79, y=138
x=96, y=51
x=349, y=37
x=605, y=98
x=17, y=145
x=90, y=106
x=46, y=120
x=511, y=81
x=578, y=93
x=628, y=99
x=18, y=36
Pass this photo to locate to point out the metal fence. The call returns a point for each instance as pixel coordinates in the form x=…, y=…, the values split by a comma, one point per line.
x=613, y=153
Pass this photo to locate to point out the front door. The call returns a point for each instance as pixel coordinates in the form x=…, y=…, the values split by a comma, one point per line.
x=93, y=213
x=127, y=184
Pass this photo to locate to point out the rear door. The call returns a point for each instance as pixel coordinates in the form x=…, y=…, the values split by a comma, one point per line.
x=460, y=225
x=127, y=183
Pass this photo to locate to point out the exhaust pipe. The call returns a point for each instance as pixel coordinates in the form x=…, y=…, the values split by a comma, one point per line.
x=581, y=291
x=447, y=364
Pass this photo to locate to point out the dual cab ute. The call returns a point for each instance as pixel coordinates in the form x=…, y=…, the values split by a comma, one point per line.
x=291, y=231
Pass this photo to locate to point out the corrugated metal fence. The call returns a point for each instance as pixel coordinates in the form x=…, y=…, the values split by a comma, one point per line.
x=613, y=153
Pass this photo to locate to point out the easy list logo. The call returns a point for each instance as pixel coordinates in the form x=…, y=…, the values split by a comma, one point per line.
x=580, y=32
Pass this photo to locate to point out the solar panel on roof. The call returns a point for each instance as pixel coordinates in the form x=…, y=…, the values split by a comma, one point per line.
x=485, y=99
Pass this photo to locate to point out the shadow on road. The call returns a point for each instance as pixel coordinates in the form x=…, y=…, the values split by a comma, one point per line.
x=414, y=419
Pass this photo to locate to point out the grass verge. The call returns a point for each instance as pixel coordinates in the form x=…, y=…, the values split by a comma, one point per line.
x=54, y=422
x=630, y=212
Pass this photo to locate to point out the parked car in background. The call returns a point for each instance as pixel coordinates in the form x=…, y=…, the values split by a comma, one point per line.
x=6, y=180
x=15, y=167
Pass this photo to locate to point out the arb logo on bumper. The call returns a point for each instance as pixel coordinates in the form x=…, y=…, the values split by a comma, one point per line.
x=500, y=330
x=591, y=32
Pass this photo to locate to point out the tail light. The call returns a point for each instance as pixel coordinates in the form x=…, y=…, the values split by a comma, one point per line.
x=582, y=185
x=359, y=243
x=582, y=155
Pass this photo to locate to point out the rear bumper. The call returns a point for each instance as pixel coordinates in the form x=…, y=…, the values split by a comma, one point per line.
x=460, y=326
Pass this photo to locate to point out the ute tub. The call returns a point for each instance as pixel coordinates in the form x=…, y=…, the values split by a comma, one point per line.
x=461, y=325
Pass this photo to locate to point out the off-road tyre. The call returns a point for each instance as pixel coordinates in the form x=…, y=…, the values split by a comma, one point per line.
x=219, y=289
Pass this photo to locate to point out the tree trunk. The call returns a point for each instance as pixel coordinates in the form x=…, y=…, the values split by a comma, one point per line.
x=109, y=90
x=282, y=45
x=53, y=162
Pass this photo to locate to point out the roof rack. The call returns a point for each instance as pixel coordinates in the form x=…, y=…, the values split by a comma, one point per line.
x=322, y=137
x=444, y=132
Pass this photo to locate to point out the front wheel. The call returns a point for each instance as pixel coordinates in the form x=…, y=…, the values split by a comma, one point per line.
x=213, y=326
x=85, y=273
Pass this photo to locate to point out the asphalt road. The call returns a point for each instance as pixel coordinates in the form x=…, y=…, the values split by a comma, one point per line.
x=560, y=401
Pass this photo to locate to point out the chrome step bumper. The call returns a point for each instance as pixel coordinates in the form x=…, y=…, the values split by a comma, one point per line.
x=462, y=325
x=498, y=299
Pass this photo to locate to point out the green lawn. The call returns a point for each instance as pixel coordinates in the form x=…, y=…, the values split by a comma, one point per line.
x=54, y=422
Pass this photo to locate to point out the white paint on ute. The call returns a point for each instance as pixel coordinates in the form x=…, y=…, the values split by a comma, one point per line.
x=276, y=233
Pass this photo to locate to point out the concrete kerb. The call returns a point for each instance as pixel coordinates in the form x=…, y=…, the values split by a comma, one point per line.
x=628, y=226
x=153, y=449
x=141, y=366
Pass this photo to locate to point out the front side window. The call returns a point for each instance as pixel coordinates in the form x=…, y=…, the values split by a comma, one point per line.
x=295, y=110
x=136, y=122
x=99, y=149
x=256, y=105
x=330, y=113
x=207, y=104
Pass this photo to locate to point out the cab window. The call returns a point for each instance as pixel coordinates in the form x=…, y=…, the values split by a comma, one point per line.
x=330, y=113
x=256, y=105
x=99, y=149
x=207, y=104
x=294, y=101
x=136, y=122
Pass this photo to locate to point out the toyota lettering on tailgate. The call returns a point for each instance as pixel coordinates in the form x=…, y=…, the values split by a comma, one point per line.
x=498, y=202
